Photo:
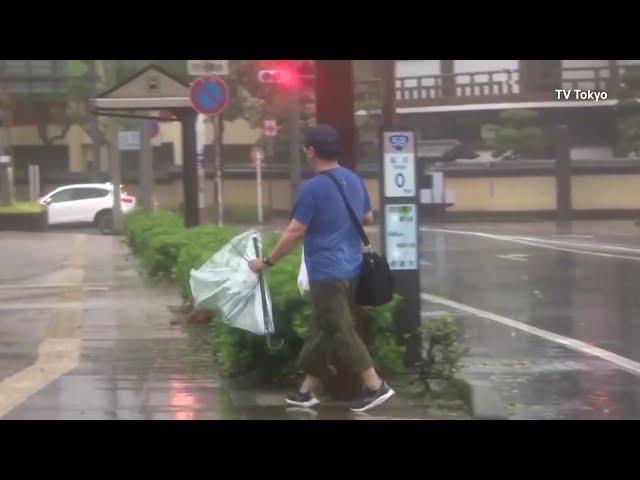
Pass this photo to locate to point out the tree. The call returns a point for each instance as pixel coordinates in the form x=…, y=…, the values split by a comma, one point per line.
x=628, y=110
x=517, y=136
x=65, y=108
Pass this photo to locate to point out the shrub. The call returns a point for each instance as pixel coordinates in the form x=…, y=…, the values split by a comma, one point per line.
x=517, y=135
x=21, y=207
x=442, y=352
x=168, y=250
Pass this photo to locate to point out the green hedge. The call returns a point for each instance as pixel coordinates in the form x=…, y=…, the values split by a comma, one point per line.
x=21, y=207
x=167, y=250
x=235, y=213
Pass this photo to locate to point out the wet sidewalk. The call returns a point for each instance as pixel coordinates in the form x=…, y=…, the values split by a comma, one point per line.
x=531, y=378
x=117, y=355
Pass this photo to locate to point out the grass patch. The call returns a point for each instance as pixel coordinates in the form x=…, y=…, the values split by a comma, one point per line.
x=21, y=207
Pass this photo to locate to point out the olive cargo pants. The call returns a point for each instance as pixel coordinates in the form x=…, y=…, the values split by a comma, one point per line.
x=332, y=330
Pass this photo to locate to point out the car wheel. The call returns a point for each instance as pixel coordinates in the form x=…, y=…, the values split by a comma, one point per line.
x=105, y=223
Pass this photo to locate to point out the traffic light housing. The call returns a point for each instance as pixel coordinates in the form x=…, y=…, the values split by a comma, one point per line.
x=288, y=74
x=269, y=76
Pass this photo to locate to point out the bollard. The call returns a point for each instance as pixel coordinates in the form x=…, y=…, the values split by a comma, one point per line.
x=7, y=188
x=34, y=183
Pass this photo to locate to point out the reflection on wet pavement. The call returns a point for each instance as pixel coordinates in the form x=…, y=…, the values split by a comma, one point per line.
x=590, y=298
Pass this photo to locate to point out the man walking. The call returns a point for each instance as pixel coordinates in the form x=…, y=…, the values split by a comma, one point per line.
x=333, y=257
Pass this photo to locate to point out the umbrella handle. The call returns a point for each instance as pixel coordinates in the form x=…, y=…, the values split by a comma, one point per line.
x=271, y=347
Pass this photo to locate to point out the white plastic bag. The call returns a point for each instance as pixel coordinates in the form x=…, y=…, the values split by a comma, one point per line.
x=226, y=284
x=303, y=278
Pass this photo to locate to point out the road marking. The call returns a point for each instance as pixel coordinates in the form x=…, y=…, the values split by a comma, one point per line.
x=625, y=363
x=573, y=236
x=59, y=352
x=46, y=286
x=439, y=313
x=520, y=257
x=532, y=244
x=601, y=246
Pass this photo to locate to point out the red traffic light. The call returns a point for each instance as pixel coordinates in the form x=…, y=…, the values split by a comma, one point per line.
x=284, y=75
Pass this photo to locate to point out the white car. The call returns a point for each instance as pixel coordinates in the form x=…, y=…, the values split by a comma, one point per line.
x=86, y=203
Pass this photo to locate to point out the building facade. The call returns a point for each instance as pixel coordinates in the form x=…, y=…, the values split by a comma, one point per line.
x=457, y=98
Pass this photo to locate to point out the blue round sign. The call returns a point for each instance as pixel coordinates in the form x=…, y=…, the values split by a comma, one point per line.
x=154, y=129
x=209, y=95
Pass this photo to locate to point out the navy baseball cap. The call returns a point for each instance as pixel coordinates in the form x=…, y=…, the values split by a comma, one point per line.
x=325, y=140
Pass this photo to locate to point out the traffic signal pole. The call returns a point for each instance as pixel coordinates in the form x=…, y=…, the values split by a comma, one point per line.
x=295, y=168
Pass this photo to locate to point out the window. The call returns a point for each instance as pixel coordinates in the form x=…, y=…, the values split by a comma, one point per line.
x=88, y=193
x=63, y=196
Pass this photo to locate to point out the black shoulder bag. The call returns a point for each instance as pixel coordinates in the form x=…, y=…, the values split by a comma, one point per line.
x=375, y=287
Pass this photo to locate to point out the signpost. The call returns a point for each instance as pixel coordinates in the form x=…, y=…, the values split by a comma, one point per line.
x=210, y=96
x=208, y=67
x=400, y=227
x=257, y=156
x=129, y=140
x=270, y=128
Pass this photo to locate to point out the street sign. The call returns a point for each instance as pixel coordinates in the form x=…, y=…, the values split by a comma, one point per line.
x=270, y=128
x=129, y=140
x=400, y=234
x=399, y=164
x=209, y=95
x=208, y=67
x=399, y=206
x=5, y=159
x=154, y=126
x=257, y=155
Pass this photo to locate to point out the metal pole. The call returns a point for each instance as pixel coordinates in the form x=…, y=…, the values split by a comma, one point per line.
x=189, y=168
x=94, y=128
x=146, y=167
x=259, y=188
x=116, y=177
x=34, y=183
x=563, y=173
x=218, y=165
x=294, y=153
x=200, y=141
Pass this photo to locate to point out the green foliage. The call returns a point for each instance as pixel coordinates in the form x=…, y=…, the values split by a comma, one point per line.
x=517, y=134
x=21, y=207
x=631, y=77
x=168, y=250
x=442, y=352
x=234, y=213
x=518, y=117
x=629, y=112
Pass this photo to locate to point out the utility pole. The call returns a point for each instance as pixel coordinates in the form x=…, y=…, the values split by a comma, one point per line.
x=145, y=175
x=217, y=160
x=295, y=168
x=116, y=177
x=94, y=127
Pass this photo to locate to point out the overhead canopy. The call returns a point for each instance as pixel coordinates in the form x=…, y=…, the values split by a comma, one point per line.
x=152, y=88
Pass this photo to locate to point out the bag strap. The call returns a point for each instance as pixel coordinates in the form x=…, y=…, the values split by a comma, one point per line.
x=352, y=214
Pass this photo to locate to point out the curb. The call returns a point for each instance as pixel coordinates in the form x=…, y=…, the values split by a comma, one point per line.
x=485, y=402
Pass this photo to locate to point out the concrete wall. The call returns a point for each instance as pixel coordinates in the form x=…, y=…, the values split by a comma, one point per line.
x=484, y=194
x=503, y=194
x=238, y=132
x=593, y=192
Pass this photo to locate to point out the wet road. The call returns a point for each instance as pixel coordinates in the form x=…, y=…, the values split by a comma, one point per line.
x=82, y=336
x=581, y=282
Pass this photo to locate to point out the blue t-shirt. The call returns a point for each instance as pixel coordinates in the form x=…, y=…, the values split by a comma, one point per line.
x=332, y=246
